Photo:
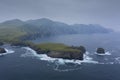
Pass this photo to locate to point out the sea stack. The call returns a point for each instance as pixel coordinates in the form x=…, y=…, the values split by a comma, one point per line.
x=100, y=51
x=2, y=50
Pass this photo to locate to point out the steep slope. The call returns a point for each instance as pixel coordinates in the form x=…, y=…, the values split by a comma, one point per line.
x=31, y=29
x=51, y=27
x=11, y=29
x=90, y=29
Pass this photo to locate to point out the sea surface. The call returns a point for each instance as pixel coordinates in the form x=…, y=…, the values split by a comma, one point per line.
x=22, y=63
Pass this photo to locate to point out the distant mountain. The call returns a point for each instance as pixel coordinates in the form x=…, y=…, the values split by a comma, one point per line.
x=45, y=27
x=90, y=29
x=13, y=23
x=51, y=27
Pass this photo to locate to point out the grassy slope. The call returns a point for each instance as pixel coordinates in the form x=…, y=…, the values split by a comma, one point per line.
x=10, y=33
x=56, y=47
x=14, y=30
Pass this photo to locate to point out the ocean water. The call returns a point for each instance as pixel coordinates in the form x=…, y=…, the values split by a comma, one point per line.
x=22, y=63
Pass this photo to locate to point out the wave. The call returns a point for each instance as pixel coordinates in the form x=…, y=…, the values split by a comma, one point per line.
x=64, y=64
x=66, y=69
x=117, y=60
x=106, y=53
x=44, y=57
x=8, y=51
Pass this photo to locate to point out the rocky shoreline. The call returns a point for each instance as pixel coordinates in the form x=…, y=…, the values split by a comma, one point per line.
x=66, y=55
x=70, y=52
x=77, y=52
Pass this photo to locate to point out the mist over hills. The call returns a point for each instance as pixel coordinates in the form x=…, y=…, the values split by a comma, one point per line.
x=46, y=27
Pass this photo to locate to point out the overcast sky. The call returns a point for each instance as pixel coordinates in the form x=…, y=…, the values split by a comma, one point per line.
x=104, y=12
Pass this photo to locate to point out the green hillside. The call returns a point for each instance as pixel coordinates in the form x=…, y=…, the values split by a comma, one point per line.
x=15, y=30
x=56, y=47
x=11, y=33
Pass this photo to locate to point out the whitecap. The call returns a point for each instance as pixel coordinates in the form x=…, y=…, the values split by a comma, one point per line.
x=65, y=70
x=117, y=60
x=31, y=52
x=106, y=53
x=65, y=62
x=8, y=51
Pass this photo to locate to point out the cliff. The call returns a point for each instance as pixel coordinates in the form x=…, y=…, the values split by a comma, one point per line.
x=57, y=50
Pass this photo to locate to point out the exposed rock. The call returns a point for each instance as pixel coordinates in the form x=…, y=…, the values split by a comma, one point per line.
x=66, y=55
x=39, y=51
x=2, y=50
x=82, y=48
x=62, y=51
x=100, y=50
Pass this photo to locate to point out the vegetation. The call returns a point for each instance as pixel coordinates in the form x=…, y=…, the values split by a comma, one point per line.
x=15, y=30
x=18, y=33
x=56, y=47
x=10, y=34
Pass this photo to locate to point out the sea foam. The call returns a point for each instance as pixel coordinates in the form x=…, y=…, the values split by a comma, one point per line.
x=8, y=51
x=31, y=52
x=106, y=53
x=59, y=62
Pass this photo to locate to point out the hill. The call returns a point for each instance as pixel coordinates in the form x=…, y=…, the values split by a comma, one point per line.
x=31, y=29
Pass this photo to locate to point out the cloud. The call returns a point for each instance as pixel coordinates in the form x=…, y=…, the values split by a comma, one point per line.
x=104, y=12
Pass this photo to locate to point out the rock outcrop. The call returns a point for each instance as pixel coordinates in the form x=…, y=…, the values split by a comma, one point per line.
x=82, y=49
x=100, y=51
x=56, y=50
x=2, y=50
x=66, y=55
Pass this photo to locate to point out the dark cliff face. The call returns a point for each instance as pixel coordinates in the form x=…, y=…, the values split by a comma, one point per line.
x=66, y=55
x=81, y=48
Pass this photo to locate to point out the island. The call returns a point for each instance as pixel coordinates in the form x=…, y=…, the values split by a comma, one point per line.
x=55, y=50
x=58, y=50
x=100, y=51
x=2, y=50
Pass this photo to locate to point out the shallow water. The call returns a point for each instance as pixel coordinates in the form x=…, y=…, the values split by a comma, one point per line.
x=24, y=64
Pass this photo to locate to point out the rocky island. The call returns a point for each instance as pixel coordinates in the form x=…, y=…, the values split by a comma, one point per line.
x=54, y=50
x=100, y=51
x=2, y=50
x=57, y=50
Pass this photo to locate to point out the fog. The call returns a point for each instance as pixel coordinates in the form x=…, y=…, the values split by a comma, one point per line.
x=103, y=12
